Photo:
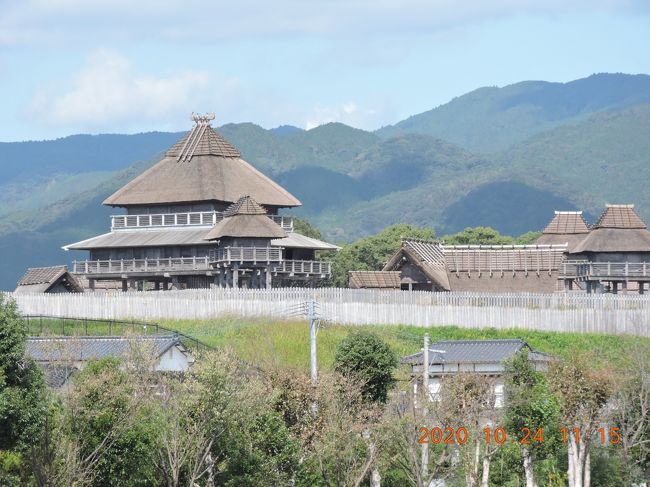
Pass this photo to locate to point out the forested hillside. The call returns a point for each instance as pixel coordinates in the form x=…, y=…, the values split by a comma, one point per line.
x=354, y=183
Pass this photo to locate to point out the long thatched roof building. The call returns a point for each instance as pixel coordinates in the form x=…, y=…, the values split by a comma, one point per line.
x=568, y=256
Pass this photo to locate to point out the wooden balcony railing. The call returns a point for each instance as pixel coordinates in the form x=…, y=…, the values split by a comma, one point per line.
x=195, y=218
x=304, y=267
x=595, y=270
x=140, y=265
x=246, y=254
x=229, y=255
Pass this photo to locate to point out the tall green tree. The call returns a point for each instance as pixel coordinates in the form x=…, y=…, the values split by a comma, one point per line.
x=530, y=407
x=370, y=254
x=22, y=386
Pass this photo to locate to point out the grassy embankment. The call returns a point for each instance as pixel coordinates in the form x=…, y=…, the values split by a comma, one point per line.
x=286, y=343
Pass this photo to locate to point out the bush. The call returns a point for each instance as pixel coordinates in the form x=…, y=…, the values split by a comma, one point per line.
x=365, y=358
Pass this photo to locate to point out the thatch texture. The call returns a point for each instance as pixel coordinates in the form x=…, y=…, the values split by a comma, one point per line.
x=619, y=229
x=427, y=255
x=46, y=279
x=214, y=171
x=620, y=216
x=615, y=240
x=566, y=227
x=246, y=219
x=374, y=279
x=566, y=223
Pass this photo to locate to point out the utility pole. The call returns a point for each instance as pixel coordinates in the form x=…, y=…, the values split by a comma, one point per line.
x=425, y=391
x=311, y=315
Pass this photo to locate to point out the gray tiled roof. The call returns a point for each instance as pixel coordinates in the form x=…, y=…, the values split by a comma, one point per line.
x=472, y=351
x=53, y=349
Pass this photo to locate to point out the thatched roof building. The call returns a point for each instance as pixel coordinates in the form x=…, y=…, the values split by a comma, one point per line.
x=201, y=167
x=566, y=227
x=429, y=265
x=55, y=279
x=246, y=219
x=619, y=229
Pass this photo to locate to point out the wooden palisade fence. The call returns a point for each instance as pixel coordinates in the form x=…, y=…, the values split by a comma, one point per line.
x=596, y=313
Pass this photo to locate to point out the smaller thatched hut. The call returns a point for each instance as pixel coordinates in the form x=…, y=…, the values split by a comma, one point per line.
x=566, y=227
x=55, y=279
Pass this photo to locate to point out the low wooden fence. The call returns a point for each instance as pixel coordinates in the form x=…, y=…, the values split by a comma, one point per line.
x=612, y=314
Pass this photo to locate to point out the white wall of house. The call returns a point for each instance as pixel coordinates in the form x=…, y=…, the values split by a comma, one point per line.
x=174, y=360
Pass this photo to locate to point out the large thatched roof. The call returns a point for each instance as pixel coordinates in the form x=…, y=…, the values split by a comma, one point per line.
x=202, y=166
x=619, y=229
x=246, y=219
x=566, y=227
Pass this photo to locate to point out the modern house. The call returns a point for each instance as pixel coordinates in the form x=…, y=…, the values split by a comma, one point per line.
x=61, y=357
x=486, y=357
x=612, y=255
x=48, y=280
x=201, y=217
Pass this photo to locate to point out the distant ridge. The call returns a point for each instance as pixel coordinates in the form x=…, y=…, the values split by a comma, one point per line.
x=569, y=146
x=492, y=119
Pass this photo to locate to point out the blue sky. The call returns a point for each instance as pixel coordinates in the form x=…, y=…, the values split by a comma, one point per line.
x=90, y=66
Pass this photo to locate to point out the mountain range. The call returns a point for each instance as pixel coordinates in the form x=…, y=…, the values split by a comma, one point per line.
x=501, y=157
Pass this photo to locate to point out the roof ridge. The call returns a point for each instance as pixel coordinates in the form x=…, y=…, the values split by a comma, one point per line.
x=620, y=216
x=202, y=140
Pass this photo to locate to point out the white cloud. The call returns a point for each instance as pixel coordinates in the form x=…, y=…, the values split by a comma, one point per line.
x=349, y=113
x=39, y=21
x=107, y=92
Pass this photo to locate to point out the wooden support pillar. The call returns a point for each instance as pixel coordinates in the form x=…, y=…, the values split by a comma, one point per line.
x=222, y=278
x=641, y=287
x=91, y=285
x=568, y=285
x=156, y=286
x=589, y=287
x=132, y=285
x=215, y=282
x=269, y=278
x=615, y=287
x=175, y=284
x=235, y=276
x=228, y=272
x=125, y=286
x=624, y=287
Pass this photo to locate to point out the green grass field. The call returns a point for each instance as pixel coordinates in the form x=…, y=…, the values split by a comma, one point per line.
x=286, y=343
x=278, y=343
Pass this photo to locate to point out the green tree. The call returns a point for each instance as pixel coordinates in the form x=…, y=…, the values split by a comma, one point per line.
x=364, y=357
x=22, y=386
x=478, y=236
x=107, y=430
x=531, y=405
x=371, y=253
x=305, y=228
x=528, y=238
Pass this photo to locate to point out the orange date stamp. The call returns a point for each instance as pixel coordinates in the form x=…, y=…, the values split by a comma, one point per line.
x=499, y=435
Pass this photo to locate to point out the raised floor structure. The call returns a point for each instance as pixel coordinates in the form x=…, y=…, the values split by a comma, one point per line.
x=199, y=218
